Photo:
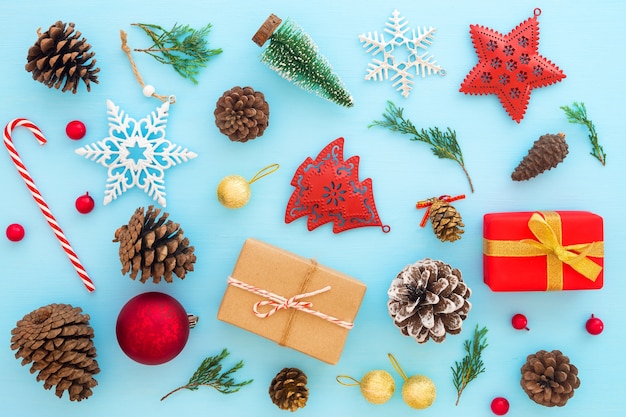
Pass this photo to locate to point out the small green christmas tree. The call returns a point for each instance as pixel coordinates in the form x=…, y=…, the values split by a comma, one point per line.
x=293, y=54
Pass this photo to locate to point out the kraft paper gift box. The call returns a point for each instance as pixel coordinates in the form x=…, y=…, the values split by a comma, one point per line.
x=543, y=251
x=294, y=301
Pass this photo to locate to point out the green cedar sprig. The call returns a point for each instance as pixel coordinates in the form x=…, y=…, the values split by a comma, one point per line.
x=472, y=364
x=208, y=374
x=294, y=56
x=443, y=143
x=183, y=47
x=578, y=114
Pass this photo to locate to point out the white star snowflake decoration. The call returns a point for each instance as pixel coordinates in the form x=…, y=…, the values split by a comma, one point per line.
x=136, y=153
x=402, y=70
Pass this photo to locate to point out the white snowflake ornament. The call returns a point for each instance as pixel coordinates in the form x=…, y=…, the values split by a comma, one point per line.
x=136, y=153
x=402, y=70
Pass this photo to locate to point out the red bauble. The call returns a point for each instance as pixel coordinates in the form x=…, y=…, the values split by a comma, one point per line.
x=500, y=406
x=519, y=322
x=594, y=325
x=15, y=232
x=84, y=203
x=152, y=328
x=75, y=130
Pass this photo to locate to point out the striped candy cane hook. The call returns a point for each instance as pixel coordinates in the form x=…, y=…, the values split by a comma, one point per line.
x=8, y=141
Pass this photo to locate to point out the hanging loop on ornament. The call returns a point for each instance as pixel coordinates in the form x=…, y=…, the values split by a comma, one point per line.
x=264, y=172
x=397, y=367
x=429, y=202
x=537, y=12
x=354, y=382
x=148, y=90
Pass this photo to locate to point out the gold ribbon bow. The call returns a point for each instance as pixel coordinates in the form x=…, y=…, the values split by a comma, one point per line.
x=547, y=231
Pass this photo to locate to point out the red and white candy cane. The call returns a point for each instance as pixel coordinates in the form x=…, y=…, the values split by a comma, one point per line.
x=8, y=141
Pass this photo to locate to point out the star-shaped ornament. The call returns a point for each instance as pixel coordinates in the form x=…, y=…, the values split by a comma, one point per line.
x=136, y=153
x=510, y=66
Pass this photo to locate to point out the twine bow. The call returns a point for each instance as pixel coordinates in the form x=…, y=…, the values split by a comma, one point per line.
x=278, y=302
x=547, y=231
x=428, y=203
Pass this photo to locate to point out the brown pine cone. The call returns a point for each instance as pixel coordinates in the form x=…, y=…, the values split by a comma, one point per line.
x=242, y=114
x=288, y=389
x=546, y=153
x=57, y=338
x=446, y=221
x=61, y=58
x=549, y=379
x=156, y=248
x=429, y=299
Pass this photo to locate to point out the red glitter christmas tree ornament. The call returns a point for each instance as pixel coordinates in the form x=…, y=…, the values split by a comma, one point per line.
x=328, y=190
x=510, y=66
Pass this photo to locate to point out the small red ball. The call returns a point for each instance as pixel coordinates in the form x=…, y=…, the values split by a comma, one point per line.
x=75, y=130
x=519, y=322
x=500, y=406
x=152, y=328
x=594, y=325
x=15, y=232
x=84, y=204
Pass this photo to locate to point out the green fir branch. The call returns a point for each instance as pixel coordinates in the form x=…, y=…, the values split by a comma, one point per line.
x=209, y=374
x=472, y=364
x=443, y=143
x=294, y=56
x=578, y=114
x=183, y=47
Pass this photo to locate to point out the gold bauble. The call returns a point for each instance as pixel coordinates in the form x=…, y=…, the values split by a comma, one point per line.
x=377, y=386
x=419, y=392
x=233, y=191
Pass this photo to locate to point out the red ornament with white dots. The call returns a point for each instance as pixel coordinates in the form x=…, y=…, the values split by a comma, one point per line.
x=85, y=204
x=500, y=406
x=75, y=130
x=594, y=325
x=519, y=322
x=15, y=232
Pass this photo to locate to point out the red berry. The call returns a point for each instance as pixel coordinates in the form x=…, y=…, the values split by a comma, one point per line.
x=519, y=322
x=500, y=406
x=75, y=129
x=594, y=325
x=15, y=232
x=84, y=203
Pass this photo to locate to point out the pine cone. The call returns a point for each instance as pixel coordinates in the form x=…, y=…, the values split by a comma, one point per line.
x=59, y=57
x=57, y=338
x=154, y=247
x=446, y=221
x=288, y=389
x=549, y=379
x=429, y=299
x=242, y=114
x=546, y=153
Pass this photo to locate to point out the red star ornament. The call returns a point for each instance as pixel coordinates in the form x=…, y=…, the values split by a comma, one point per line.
x=510, y=66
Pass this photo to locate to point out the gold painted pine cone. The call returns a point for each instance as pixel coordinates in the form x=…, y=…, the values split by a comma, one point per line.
x=429, y=299
x=242, y=114
x=549, y=378
x=446, y=221
x=154, y=246
x=57, y=339
x=60, y=58
x=288, y=389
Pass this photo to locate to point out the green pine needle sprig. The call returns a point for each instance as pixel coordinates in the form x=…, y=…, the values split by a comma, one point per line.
x=472, y=364
x=294, y=56
x=183, y=47
x=443, y=143
x=578, y=114
x=210, y=374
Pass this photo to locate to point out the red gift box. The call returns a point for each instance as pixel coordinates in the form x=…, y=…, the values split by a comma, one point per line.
x=543, y=251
